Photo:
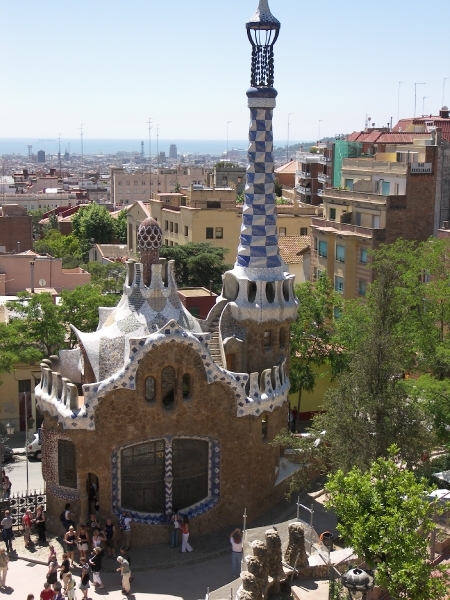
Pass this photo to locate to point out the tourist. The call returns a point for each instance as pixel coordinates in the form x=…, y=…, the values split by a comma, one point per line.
x=236, y=552
x=93, y=523
x=7, y=531
x=39, y=521
x=125, y=525
x=84, y=582
x=93, y=498
x=95, y=562
x=6, y=487
x=175, y=520
x=58, y=594
x=26, y=523
x=47, y=593
x=83, y=543
x=52, y=573
x=126, y=556
x=125, y=571
x=70, y=541
x=4, y=560
x=97, y=539
x=110, y=534
x=70, y=589
x=67, y=517
x=65, y=569
x=30, y=597
x=185, y=546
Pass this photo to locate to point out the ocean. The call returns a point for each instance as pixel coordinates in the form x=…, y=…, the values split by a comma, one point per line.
x=18, y=146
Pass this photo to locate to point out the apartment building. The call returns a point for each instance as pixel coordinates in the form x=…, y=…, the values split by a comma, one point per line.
x=379, y=202
x=225, y=175
x=127, y=188
x=35, y=201
x=306, y=177
x=15, y=229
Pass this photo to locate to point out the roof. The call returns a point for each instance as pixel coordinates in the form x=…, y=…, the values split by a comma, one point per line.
x=443, y=124
x=290, y=167
x=392, y=137
x=195, y=292
x=293, y=247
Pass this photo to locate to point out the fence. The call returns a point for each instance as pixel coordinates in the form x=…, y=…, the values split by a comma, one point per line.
x=19, y=503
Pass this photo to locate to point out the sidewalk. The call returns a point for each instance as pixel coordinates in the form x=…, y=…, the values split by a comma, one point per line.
x=210, y=545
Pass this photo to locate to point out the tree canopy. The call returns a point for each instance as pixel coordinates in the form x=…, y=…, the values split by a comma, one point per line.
x=197, y=265
x=93, y=224
x=384, y=515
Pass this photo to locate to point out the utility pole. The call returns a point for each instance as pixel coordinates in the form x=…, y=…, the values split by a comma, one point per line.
x=423, y=105
x=59, y=154
x=82, y=154
x=398, y=100
x=157, y=145
x=228, y=122
x=320, y=121
x=150, y=152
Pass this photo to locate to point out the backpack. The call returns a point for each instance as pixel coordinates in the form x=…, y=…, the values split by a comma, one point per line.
x=62, y=516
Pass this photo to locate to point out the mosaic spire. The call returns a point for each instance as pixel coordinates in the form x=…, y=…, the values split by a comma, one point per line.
x=258, y=248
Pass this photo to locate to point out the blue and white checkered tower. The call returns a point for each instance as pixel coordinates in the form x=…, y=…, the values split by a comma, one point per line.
x=258, y=287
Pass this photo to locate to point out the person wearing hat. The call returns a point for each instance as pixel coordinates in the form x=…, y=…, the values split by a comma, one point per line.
x=4, y=560
x=124, y=570
x=26, y=522
x=95, y=562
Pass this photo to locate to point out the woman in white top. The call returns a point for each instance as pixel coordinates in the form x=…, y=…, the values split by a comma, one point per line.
x=97, y=539
x=236, y=552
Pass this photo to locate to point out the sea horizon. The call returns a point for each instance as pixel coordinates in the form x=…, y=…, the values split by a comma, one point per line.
x=111, y=146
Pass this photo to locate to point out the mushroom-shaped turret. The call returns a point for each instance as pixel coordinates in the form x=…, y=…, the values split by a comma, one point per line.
x=262, y=30
x=149, y=238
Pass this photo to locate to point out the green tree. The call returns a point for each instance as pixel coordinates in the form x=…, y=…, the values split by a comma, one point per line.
x=79, y=307
x=16, y=347
x=278, y=188
x=240, y=199
x=109, y=277
x=67, y=247
x=36, y=216
x=197, y=265
x=93, y=224
x=311, y=334
x=384, y=515
x=38, y=323
x=121, y=227
x=53, y=223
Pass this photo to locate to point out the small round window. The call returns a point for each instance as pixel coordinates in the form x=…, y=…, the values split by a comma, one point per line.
x=150, y=386
x=186, y=386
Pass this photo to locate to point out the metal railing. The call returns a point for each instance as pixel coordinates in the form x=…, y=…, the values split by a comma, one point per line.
x=19, y=503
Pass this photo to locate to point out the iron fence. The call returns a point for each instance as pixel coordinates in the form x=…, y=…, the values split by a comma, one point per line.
x=19, y=503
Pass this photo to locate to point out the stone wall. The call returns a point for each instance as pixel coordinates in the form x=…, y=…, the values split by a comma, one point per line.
x=247, y=462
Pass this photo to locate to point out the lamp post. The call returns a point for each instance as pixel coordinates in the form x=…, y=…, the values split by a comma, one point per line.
x=287, y=145
x=357, y=582
x=415, y=96
x=398, y=99
x=320, y=121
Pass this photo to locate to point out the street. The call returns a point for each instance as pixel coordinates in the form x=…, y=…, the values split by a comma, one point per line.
x=182, y=583
x=17, y=472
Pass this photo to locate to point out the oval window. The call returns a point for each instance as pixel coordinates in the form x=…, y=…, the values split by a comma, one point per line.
x=186, y=385
x=168, y=386
x=150, y=386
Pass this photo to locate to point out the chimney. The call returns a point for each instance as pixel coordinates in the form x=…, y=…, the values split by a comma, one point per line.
x=443, y=113
x=32, y=275
x=444, y=224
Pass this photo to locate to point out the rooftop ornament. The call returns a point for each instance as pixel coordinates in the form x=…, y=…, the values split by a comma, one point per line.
x=262, y=30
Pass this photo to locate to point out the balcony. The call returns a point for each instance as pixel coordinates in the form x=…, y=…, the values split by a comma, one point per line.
x=306, y=191
x=324, y=160
x=303, y=175
x=323, y=178
x=320, y=192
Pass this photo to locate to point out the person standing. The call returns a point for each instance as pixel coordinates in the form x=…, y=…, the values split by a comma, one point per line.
x=39, y=521
x=65, y=569
x=70, y=541
x=68, y=516
x=95, y=562
x=7, y=531
x=97, y=539
x=83, y=543
x=4, y=560
x=70, y=589
x=52, y=573
x=110, y=534
x=26, y=522
x=47, y=593
x=185, y=546
x=175, y=520
x=236, y=552
x=125, y=571
x=84, y=582
x=6, y=487
x=125, y=525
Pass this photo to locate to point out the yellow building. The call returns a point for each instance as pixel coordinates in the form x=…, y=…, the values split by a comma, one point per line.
x=209, y=215
x=17, y=400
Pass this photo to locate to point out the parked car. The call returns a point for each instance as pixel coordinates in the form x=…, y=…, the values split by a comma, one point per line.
x=33, y=445
x=7, y=454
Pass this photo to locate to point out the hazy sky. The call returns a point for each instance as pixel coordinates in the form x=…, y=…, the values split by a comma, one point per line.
x=186, y=63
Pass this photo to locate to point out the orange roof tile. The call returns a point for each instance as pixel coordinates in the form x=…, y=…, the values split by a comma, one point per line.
x=293, y=247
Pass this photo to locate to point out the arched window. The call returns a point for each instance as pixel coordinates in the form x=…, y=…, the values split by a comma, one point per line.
x=67, y=467
x=186, y=386
x=190, y=472
x=168, y=386
x=142, y=471
x=150, y=389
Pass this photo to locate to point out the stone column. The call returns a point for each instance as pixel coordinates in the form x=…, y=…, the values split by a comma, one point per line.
x=84, y=497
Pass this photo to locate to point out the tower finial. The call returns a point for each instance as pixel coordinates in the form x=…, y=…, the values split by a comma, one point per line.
x=262, y=31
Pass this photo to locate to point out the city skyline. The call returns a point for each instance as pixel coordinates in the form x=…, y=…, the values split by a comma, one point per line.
x=113, y=70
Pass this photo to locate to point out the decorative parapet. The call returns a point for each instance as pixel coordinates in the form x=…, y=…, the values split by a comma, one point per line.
x=58, y=397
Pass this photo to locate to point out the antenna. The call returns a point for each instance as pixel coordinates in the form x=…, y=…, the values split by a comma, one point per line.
x=150, y=152
x=82, y=154
x=59, y=154
x=157, y=145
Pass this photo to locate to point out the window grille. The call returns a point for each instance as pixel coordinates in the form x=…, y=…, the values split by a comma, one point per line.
x=67, y=469
x=190, y=472
x=142, y=474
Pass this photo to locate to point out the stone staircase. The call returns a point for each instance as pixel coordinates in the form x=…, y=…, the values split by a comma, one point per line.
x=214, y=344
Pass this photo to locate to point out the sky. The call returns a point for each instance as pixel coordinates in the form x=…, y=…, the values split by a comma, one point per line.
x=186, y=65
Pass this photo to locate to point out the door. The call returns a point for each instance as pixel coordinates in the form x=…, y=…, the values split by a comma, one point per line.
x=25, y=410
